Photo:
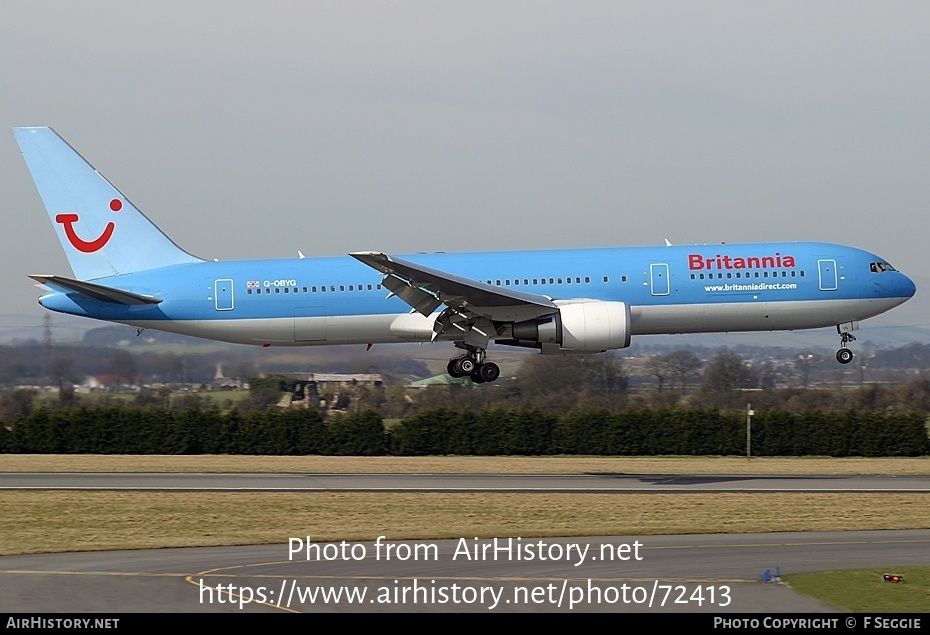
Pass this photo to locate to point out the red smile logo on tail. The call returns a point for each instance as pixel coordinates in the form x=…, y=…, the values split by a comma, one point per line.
x=68, y=220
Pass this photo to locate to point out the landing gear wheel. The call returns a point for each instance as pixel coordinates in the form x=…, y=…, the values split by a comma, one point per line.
x=844, y=355
x=476, y=377
x=461, y=366
x=452, y=368
x=466, y=365
x=488, y=371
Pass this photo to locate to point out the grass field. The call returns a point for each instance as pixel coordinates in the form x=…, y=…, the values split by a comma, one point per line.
x=866, y=591
x=814, y=466
x=38, y=521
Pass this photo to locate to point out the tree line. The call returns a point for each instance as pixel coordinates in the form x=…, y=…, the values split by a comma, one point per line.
x=462, y=431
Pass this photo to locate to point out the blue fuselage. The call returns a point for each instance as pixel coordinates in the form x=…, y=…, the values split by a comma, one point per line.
x=675, y=289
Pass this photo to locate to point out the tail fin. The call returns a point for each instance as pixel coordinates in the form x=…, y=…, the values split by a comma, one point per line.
x=102, y=232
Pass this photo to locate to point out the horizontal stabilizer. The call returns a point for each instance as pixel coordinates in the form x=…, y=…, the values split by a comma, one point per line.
x=94, y=291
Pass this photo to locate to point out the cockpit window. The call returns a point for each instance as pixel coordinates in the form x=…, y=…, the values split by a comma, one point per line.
x=880, y=267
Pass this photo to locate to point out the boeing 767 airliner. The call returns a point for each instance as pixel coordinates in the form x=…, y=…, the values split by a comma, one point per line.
x=557, y=301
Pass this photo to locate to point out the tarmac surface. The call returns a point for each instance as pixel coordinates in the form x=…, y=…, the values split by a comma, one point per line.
x=717, y=573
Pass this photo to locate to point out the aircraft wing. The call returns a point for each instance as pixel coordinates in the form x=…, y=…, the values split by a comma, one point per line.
x=424, y=289
x=94, y=291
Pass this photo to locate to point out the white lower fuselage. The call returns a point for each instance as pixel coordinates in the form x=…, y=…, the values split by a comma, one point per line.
x=413, y=327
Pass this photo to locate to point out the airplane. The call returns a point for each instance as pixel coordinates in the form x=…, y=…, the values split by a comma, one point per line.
x=568, y=301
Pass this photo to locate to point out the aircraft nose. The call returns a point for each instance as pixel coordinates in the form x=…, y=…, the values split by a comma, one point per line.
x=908, y=288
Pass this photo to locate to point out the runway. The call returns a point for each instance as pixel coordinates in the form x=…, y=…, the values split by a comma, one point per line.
x=587, y=483
x=642, y=574
x=717, y=573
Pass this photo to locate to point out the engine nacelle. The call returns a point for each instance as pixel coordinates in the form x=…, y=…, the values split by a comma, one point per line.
x=595, y=326
x=587, y=326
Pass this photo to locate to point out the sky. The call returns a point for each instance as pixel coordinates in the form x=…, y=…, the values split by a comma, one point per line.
x=254, y=130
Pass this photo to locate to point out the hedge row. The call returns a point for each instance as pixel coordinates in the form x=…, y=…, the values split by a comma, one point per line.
x=661, y=432
x=116, y=430
x=119, y=430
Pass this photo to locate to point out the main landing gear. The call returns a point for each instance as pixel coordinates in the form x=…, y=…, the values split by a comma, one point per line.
x=472, y=365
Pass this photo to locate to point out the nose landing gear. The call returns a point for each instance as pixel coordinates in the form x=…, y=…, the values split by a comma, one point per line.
x=844, y=355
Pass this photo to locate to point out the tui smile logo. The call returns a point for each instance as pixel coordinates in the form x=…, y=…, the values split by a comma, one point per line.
x=88, y=246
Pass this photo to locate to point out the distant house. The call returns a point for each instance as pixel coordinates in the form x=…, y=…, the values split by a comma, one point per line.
x=345, y=380
x=221, y=382
x=104, y=383
x=333, y=391
x=93, y=384
x=438, y=380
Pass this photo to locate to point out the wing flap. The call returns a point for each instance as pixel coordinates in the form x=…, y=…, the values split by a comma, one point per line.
x=460, y=293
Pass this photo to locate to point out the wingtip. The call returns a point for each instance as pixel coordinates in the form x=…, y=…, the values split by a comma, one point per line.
x=370, y=257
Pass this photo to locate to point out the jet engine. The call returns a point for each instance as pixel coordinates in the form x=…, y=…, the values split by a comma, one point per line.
x=583, y=326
